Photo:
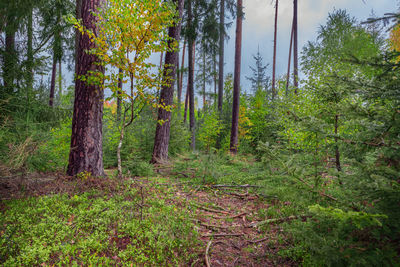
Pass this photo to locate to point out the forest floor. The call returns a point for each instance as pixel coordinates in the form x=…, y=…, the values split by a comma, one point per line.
x=229, y=220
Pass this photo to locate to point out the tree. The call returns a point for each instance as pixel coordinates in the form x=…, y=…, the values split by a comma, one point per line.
x=86, y=152
x=259, y=80
x=295, y=47
x=274, y=59
x=221, y=56
x=191, y=44
x=126, y=34
x=236, y=80
x=160, y=150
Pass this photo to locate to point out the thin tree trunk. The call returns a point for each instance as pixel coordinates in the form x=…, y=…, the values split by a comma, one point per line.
x=10, y=55
x=204, y=81
x=29, y=63
x=161, y=141
x=221, y=56
x=186, y=104
x=337, y=152
x=53, y=80
x=119, y=95
x=59, y=79
x=86, y=152
x=295, y=55
x=121, y=138
x=215, y=78
x=192, y=54
x=181, y=78
x=191, y=43
x=289, y=60
x=236, y=81
x=274, y=59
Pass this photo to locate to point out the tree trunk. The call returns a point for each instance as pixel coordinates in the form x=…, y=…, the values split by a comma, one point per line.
x=204, y=80
x=289, y=60
x=59, y=79
x=221, y=56
x=337, y=152
x=274, y=59
x=186, y=104
x=29, y=63
x=86, y=152
x=78, y=13
x=181, y=78
x=236, y=80
x=10, y=57
x=53, y=80
x=215, y=78
x=161, y=141
x=192, y=47
x=119, y=100
x=295, y=55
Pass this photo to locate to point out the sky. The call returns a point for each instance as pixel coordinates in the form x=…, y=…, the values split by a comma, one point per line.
x=258, y=28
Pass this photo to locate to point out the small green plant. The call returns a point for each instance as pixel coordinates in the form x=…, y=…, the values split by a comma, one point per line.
x=85, y=175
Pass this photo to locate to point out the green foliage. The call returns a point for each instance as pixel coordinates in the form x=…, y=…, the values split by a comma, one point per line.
x=210, y=130
x=95, y=229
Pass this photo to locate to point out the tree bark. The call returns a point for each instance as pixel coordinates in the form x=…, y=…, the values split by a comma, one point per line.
x=337, y=152
x=181, y=78
x=59, y=79
x=29, y=63
x=161, y=141
x=86, y=152
x=204, y=80
x=9, y=60
x=119, y=95
x=186, y=104
x=236, y=80
x=289, y=60
x=221, y=56
x=295, y=46
x=192, y=47
x=53, y=80
x=78, y=13
x=274, y=59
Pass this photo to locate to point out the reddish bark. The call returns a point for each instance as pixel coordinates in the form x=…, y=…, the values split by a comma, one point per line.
x=86, y=140
x=274, y=59
x=236, y=80
x=161, y=141
x=289, y=60
x=221, y=56
x=181, y=78
x=53, y=81
x=295, y=55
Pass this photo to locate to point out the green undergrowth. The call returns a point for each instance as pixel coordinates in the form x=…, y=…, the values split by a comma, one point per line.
x=131, y=227
x=325, y=219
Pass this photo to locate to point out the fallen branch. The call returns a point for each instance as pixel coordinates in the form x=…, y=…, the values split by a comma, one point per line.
x=206, y=256
x=220, y=235
x=214, y=226
x=229, y=185
x=231, y=217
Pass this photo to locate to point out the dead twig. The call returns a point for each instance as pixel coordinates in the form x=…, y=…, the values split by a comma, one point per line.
x=210, y=210
x=280, y=220
x=206, y=256
x=231, y=185
x=221, y=235
x=231, y=217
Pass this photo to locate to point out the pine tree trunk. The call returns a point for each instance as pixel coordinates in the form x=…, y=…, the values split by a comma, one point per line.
x=337, y=152
x=236, y=81
x=295, y=46
x=78, y=14
x=192, y=48
x=161, y=141
x=215, y=78
x=86, y=140
x=204, y=81
x=53, y=80
x=221, y=56
x=289, y=61
x=29, y=63
x=59, y=79
x=181, y=79
x=274, y=59
x=186, y=104
x=10, y=56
